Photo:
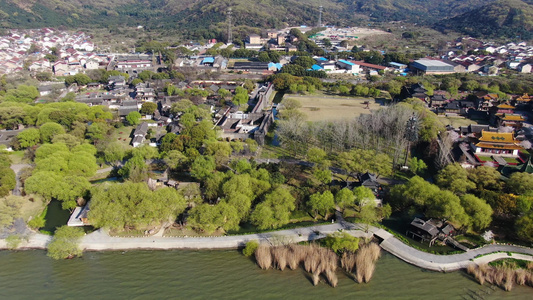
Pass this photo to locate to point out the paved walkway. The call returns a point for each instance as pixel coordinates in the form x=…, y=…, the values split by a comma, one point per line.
x=453, y=262
x=100, y=240
x=17, y=168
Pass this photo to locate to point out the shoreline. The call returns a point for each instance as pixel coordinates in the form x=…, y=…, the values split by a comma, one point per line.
x=100, y=241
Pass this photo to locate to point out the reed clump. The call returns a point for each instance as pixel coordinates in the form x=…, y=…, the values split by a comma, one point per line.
x=503, y=276
x=314, y=259
x=263, y=257
x=318, y=261
x=365, y=262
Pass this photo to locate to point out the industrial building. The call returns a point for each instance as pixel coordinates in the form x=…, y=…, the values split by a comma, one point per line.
x=429, y=66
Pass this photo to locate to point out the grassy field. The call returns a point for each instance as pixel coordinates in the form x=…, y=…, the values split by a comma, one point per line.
x=456, y=122
x=123, y=135
x=30, y=205
x=330, y=108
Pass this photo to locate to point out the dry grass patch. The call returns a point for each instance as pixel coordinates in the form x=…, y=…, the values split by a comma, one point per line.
x=332, y=108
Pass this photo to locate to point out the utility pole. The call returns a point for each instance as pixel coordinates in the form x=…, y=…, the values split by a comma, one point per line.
x=320, y=10
x=230, y=33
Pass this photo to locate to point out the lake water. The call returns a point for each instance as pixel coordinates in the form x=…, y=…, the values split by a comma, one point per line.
x=217, y=275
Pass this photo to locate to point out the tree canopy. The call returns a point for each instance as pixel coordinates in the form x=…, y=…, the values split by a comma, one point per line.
x=133, y=205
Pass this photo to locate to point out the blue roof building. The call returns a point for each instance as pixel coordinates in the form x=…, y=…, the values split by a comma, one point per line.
x=208, y=60
x=278, y=66
x=397, y=65
x=317, y=68
x=346, y=62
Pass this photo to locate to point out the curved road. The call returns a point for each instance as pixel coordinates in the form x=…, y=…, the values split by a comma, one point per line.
x=99, y=240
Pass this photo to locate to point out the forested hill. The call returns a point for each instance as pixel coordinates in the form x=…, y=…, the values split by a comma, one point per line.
x=205, y=18
x=503, y=18
x=422, y=11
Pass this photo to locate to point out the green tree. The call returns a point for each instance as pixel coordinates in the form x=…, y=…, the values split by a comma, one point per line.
x=49, y=130
x=417, y=166
x=275, y=210
x=478, y=211
x=454, y=178
x=148, y=108
x=65, y=243
x=135, y=169
x=361, y=161
x=520, y=183
x=29, y=137
x=368, y=215
x=241, y=203
x=23, y=94
x=133, y=205
x=202, y=167
x=205, y=217
x=445, y=205
x=416, y=191
x=136, y=81
x=97, y=132
x=344, y=90
x=240, y=99
x=316, y=155
x=80, y=79
x=485, y=178
x=145, y=75
x=342, y=242
x=133, y=118
x=263, y=57
x=321, y=203
x=223, y=93
x=242, y=166
x=304, y=61
x=524, y=227
x=323, y=175
x=363, y=196
x=394, y=88
x=175, y=159
x=250, y=248
x=67, y=139
x=114, y=152
x=344, y=198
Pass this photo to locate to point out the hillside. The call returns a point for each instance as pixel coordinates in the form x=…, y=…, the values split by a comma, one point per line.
x=423, y=11
x=500, y=19
x=206, y=18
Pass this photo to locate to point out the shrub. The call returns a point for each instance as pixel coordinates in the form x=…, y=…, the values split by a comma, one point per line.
x=65, y=243
x=39, y=220
x=250, y=248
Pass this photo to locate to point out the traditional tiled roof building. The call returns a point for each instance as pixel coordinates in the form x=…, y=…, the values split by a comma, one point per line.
x=497, y=143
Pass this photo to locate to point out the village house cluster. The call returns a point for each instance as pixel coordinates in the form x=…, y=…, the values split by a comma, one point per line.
x=488, y=58
x=28, y=49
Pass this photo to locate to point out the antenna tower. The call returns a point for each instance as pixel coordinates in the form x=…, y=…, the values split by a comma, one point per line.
x=320, y=9
x=230, y=33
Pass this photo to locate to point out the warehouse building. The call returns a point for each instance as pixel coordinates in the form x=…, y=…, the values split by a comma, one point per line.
x=429, y=66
